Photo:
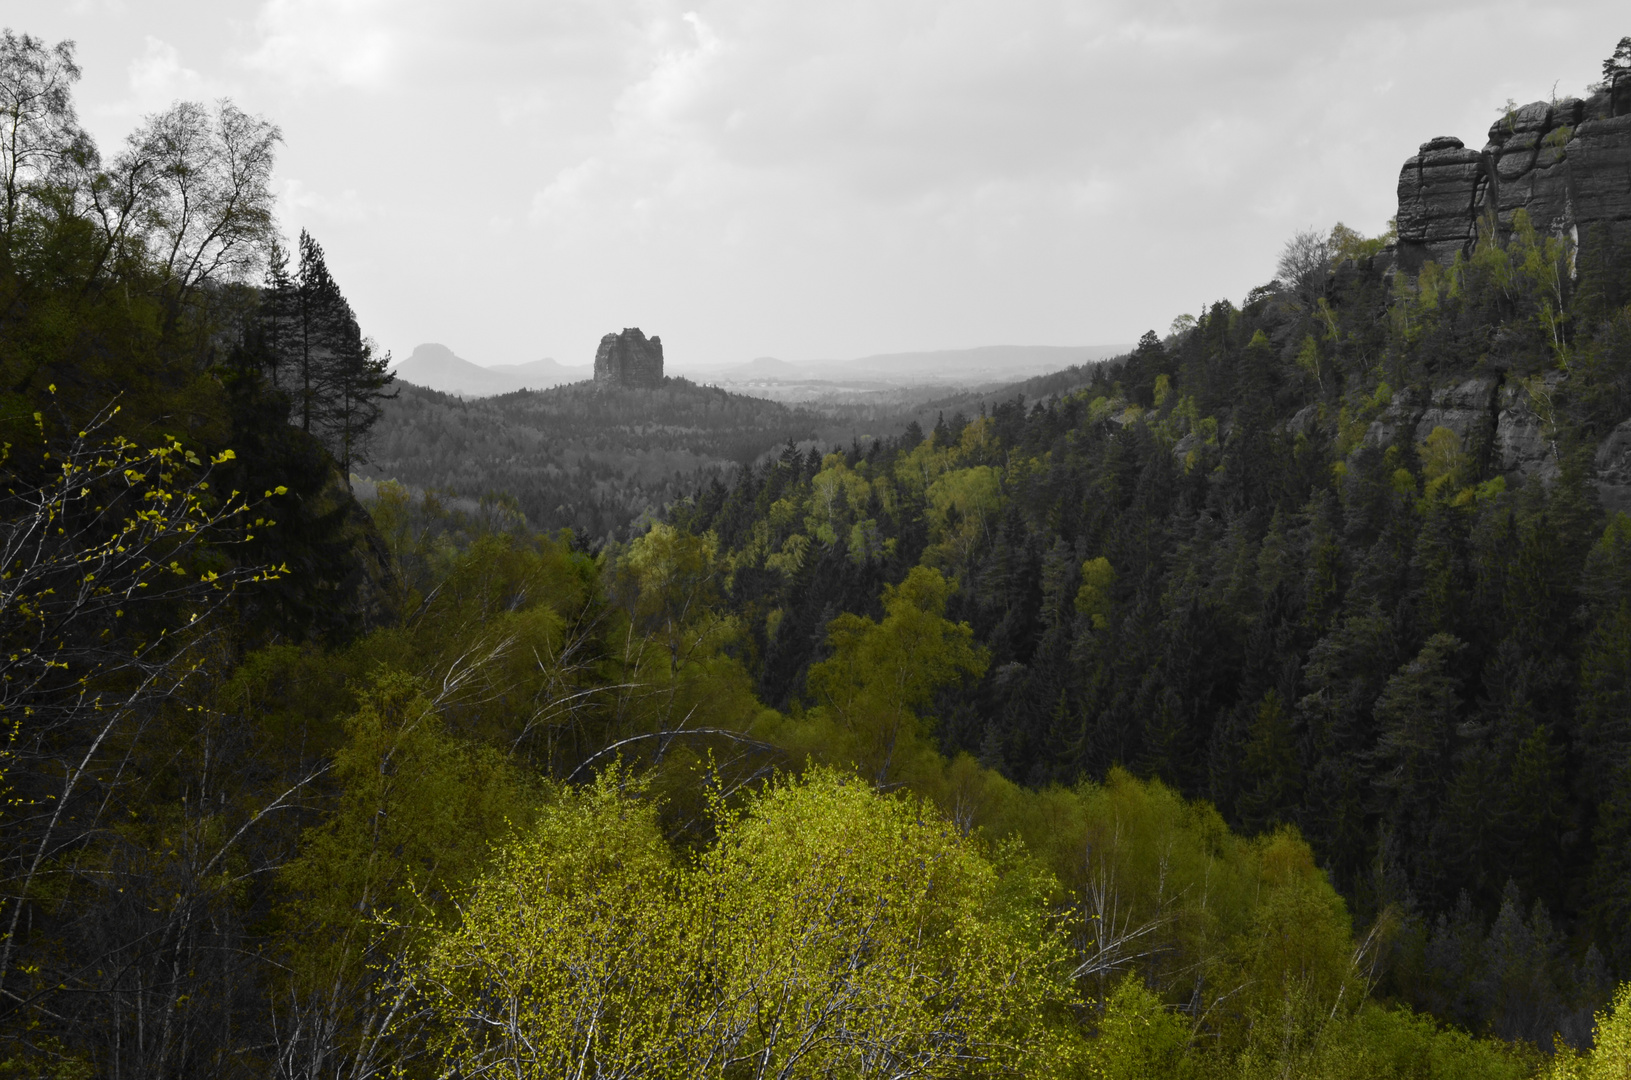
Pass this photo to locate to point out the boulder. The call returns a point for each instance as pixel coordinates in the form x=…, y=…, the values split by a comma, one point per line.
x=1400, y=416
x=1304, y=422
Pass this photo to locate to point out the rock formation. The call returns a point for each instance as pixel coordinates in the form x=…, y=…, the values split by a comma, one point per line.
x=629, y=359
x=1568, y=164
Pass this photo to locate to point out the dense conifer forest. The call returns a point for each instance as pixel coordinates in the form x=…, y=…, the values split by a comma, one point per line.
x=584, y=457
x=1201, y=722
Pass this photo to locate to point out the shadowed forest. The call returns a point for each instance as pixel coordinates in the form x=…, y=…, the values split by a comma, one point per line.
x=1257, y=704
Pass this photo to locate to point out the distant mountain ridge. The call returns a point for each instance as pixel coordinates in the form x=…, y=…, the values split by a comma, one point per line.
x=981, y=364
x=437, y=367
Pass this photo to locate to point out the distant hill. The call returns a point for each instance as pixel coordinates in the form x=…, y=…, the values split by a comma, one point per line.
x=942, y=369
x=988, y=361
x=436, y=367
x=592, y=458
x=766, y=367
x=546, y=373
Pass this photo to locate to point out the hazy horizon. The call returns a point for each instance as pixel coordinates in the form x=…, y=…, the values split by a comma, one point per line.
x=398, y=360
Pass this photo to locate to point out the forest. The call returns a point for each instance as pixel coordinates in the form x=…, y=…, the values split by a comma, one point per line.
x=598, y=460
x=1199, y=722
x=592, y=459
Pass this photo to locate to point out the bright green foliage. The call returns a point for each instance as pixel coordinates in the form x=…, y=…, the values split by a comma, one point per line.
x=560, y=957
x=416, y=818
x=1376, y=1043
x=673, y=593
x=1610, y=1055
x=1160, y=887
x=828, y=931
x=960, y=504
x=1137, y=1036
x=1093, y=598
x=1308, y=359
x=876, y=688
x=1442, y=460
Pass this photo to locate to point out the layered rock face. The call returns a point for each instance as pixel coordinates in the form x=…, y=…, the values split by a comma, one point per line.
x=1567, y=164
x=629, y=359
x=1495, y=416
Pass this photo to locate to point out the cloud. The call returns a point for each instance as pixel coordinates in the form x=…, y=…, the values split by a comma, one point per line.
x=158, y=79
x=158, y=73
x=154, y=80
x=299, y=203
x=310, y=44
x=562, y=199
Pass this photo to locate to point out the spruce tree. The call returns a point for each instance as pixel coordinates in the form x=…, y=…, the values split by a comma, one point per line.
x=332, y=373
x=354, y=383
x=309, y=324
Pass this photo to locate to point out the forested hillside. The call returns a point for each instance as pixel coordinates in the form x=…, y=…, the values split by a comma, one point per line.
x=595, y=459
x=585, y=457
x=1256, y=711
x=1336, y=558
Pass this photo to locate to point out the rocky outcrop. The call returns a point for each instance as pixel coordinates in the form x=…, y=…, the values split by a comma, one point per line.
x=1522, y=445
x=1566, y=163
x=1439, y=190
x=1614, y=469
x=1490, y=415
x=1466, y=408
x=629, y=359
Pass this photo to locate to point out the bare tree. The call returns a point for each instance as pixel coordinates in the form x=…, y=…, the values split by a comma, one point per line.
x=41, y=142
x=1305, y=266
x=205, y=178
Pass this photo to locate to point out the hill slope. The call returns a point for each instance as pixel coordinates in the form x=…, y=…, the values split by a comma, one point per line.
x=435, y=367
x=587, y=457
x=1350, y=556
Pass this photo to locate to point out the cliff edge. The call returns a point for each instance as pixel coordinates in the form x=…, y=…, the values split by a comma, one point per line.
x=1566, y=163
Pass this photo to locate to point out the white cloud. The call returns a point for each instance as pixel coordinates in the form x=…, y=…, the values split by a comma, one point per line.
x=158, y=73
x=564, y=198
x=301, y=206
x=317, y=43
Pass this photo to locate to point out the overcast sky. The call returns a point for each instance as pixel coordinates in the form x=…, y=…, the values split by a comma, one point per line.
x=820, y=178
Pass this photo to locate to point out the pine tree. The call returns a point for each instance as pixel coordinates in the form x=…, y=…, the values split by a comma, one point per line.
x=309, y=324
x=1618, y=65
x=353, y=385
x=319, y=356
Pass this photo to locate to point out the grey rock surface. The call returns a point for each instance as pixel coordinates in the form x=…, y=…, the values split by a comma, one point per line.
x=1183, y=447
x=1398, y=417
x=1466, y=408
x=629, y=359
x=1566, y=163
x=1614, y=469
x=1521, y=443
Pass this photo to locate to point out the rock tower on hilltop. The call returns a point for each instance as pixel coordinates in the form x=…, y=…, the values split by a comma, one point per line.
x=1565, y=163
x=629, y=359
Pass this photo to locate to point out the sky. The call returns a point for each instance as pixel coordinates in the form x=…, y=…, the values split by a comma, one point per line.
x=814, y=179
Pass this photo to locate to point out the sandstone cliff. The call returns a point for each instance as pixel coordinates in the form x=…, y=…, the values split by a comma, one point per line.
x=629, y=359
x=1567, y=163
